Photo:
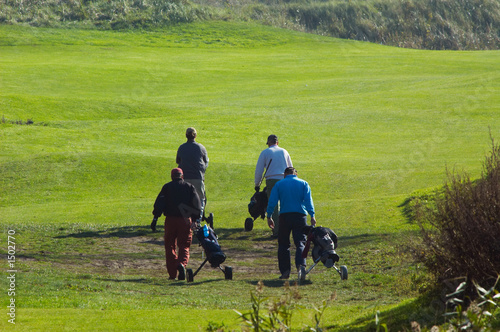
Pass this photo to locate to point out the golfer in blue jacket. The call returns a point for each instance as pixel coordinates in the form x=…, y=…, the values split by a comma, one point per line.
x=296, y=203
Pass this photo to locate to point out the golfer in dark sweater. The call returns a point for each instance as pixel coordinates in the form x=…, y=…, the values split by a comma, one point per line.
x=180, y=204
x=192, y=158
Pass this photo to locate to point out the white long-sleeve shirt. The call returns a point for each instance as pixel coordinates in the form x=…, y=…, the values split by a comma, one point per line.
x=280, y=160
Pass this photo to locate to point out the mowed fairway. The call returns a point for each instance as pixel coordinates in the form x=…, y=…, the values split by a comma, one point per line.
x=366, y=125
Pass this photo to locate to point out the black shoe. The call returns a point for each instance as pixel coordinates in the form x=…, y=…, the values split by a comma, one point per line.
x=182, y=272
x=285, y=275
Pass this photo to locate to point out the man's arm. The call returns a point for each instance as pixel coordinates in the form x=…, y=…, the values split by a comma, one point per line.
x=196, y=205
x=158, y=208
x=308, y=201
x=270, y=222
x=178, y=158
x=205, y=157
x=271, y=203
x=259, y=168
x=288, y=160
x=159, y=205
x=273, y=200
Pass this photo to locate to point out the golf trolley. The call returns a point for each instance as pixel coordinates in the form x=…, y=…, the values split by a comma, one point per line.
x=256, y=208
x=258, y=203
x=324, y=244
x=214, y=255
x=210, y=218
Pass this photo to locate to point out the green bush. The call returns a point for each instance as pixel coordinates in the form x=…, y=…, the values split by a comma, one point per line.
x=278, y=316
x=461, y=226
x=479, y=315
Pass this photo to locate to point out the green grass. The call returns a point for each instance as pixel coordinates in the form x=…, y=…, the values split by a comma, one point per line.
x=365, y=125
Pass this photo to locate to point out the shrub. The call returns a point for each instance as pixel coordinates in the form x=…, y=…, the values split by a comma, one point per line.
x=278, y=316
x=460, y=226
x=479, y=316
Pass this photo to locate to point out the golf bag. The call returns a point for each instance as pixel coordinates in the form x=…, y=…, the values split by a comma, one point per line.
x=325, y=243
x=258, y=204
x=208, y=240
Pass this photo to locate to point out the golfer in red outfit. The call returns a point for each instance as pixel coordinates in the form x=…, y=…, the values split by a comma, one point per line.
x=180, y=204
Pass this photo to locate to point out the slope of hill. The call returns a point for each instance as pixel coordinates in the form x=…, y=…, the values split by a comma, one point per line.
x=428, y=24
x=91, y=121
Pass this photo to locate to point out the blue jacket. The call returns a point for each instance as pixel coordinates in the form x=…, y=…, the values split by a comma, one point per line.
x=294, y=195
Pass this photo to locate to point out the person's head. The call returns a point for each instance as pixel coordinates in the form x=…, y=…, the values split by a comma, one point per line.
x=290, y=171
x=191, y=133
x=272, y=140
x=176, y=173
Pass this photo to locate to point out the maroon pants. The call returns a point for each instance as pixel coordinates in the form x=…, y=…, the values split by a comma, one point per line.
x=178, y=235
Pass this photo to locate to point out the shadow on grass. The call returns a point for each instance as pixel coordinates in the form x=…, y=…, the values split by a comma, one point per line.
x=425, y=310
x=345, y=241
x=166, y=282
x=222, y=233
x=278, y=283
x=136, y=231
x=120, y=232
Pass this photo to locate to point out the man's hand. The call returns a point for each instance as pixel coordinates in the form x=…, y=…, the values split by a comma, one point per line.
x=270, y=222
x=313, y=221
x=195, y=224
x=153, y=224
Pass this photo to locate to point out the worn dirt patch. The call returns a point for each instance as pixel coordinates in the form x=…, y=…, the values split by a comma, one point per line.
x=145, y=255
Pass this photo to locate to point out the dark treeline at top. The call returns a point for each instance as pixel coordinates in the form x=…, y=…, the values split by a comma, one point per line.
x=426, y=24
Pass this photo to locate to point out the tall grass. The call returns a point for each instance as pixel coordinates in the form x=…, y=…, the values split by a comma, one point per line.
x=428, y=24
x=114, y=14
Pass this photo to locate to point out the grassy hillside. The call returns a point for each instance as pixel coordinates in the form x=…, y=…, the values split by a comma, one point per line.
x=366, y=125
x=427, y=24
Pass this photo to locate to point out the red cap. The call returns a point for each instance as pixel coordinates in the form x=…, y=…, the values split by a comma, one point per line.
x=175, y=172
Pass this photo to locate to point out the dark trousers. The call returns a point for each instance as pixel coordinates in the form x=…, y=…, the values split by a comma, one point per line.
x=291, y=223
x=269, y=185
x=178, y=236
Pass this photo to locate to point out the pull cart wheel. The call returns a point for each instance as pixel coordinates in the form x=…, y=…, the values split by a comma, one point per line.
x=228, y=273
x=343, y=272
x=189, y=275
x=248, y=224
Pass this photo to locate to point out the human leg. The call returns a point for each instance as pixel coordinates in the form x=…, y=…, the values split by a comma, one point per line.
x=184, y=239
x=299, y=221
x=269, y=185
x=170, y=238
x=284, y=263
